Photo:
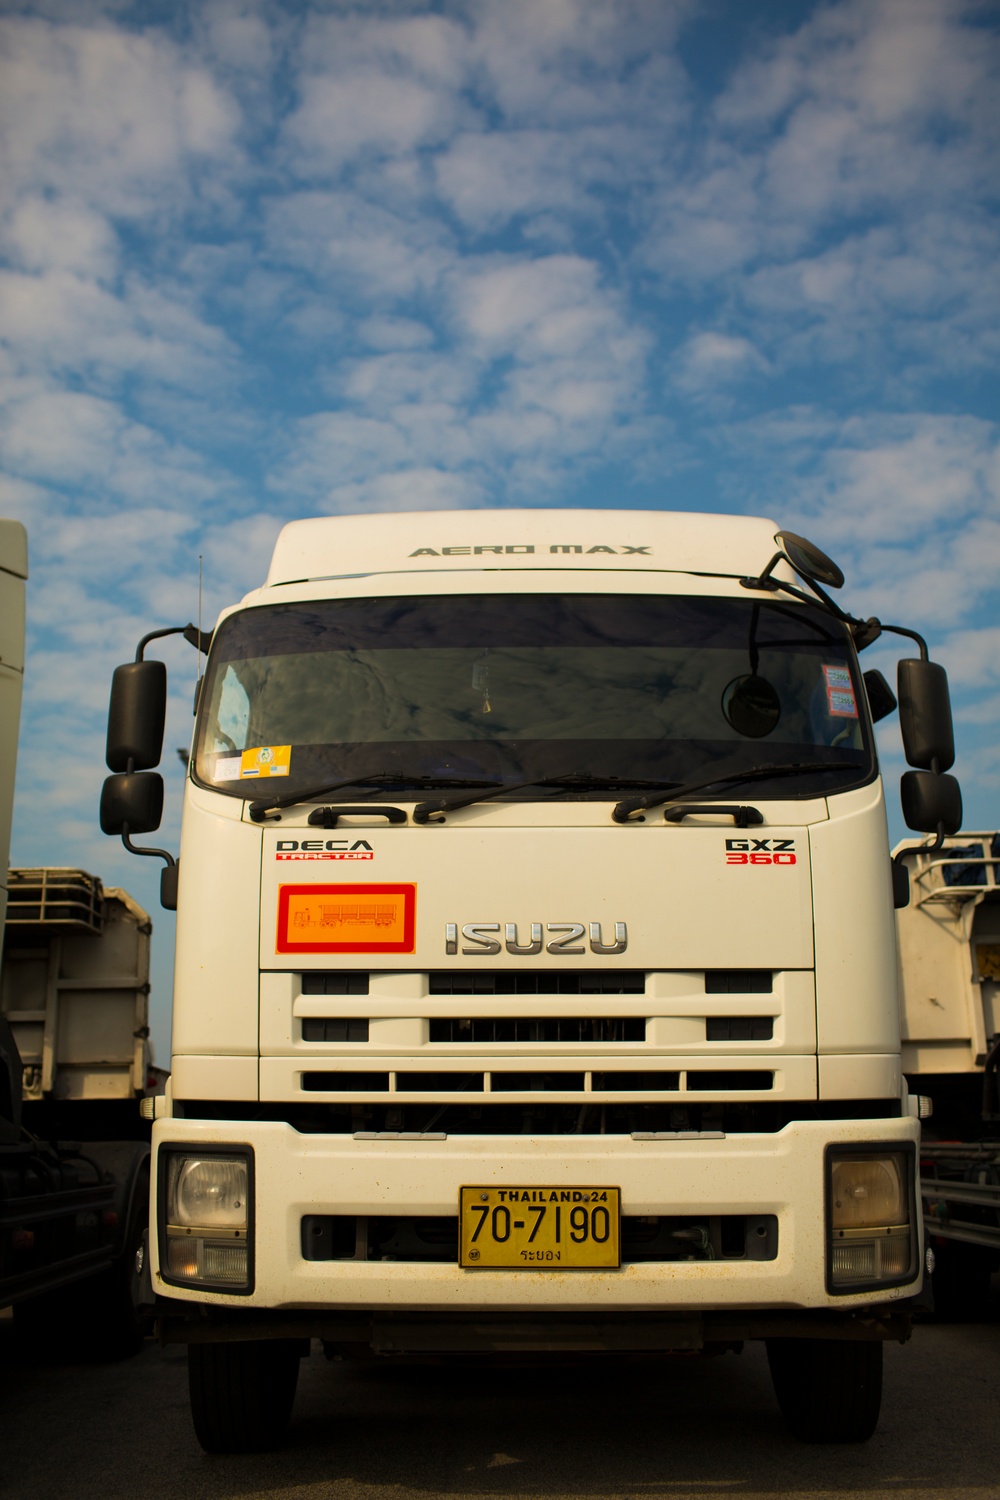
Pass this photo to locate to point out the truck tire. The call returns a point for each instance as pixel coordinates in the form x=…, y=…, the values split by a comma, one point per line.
x=829, y=1390
x=96, y=1318
x=242, y=1393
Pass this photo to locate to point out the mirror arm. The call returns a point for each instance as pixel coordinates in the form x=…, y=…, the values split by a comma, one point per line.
x=832, y=604
x=765, y=581
x=135, y=849
x=200, y=639
x=912, y=635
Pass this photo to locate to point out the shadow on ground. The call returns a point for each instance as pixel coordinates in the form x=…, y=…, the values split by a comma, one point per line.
x=688, y=1427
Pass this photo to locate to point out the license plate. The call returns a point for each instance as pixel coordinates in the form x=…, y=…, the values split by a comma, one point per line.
x=539, y=1228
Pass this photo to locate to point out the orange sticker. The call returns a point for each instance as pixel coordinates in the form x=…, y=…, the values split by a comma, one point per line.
x=347, y=918
x=265, y=761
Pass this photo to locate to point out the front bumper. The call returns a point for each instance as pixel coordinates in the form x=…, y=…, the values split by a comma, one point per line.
x=298, y=1175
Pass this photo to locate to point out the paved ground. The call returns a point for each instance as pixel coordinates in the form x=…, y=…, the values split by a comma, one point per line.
x=702, y=1429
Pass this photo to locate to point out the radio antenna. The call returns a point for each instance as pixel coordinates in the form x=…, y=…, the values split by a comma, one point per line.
x=199, y=613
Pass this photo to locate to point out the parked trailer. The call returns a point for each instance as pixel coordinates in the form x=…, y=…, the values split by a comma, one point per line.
x=74, y=1060
x=74, y=997
x=949, y=984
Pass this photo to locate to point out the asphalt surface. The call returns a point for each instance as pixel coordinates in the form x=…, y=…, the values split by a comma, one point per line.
x=706, y=1429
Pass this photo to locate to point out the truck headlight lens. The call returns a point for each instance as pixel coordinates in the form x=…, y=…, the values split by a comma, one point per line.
x=205, y=1216
x=208, y=1191
x=871, y=1219
x=867, y=1191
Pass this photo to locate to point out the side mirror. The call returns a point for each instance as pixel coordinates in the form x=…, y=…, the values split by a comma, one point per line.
x=931, y=803
x=809, y=561
x=925, y=716
x=881, y=698
x=134, y=799
x=136, y=716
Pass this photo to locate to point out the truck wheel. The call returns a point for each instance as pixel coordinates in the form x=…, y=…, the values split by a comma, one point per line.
x=961, y=1280
x=96, y=1318
x=242, y=1393
x=829, y=1390
x=109, y=1323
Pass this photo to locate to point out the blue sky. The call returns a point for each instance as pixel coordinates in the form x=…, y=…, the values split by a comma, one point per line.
x=261, y=261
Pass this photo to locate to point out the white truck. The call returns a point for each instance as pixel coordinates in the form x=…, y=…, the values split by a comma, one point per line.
x=74, y=1058
x=535, y=973
x=949, y=985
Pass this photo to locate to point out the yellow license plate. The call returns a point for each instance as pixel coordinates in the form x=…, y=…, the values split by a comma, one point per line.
x=539, y=1228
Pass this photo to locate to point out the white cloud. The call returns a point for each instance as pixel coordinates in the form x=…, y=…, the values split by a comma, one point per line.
x=973, y=656
x=237, y=35
x=119, y=117
x=712, y=359
x=378, y=254
x=377, y=86
x=900, y=480
x=393, y=382
x=842, y=187
x=909, y=506
x=59, y=321
x=543, y=308
x=407, y=489
x=554, y=178
x=67, y=438
x=395, y=333
x=42, y=235
x=569, y=62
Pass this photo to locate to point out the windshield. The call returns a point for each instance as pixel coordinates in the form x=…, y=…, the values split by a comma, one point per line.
x=497, y=688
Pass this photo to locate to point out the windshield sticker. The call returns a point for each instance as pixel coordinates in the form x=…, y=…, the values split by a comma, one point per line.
x=347, y=918
x=267, y=760
x=228, y=768
x=840, y=700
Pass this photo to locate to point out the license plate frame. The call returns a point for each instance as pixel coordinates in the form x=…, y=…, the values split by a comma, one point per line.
x=547, y=1228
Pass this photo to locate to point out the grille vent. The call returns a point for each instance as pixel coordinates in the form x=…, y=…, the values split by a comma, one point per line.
x=505, y=982
x=322, y=982
x=739, y=1029
x=730, y=1079
x=543, y=1029
x=349, y=1029
x=738, y=982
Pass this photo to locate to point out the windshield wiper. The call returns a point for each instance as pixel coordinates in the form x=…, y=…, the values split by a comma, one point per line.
x=571, y=781
x=623, y=810
x=259, y=810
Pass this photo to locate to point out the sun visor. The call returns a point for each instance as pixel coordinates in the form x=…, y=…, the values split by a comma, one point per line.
x=481, y=540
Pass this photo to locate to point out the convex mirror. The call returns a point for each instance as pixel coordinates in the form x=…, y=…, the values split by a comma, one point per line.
x=809, y=561
x=752, y=706
x=931, y=803
x=133, y=800
x=136, y=715
x=925, y=714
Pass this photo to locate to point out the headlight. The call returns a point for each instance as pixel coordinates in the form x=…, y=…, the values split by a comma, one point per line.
x=208, y=1192
x=204, y=1209
x=871, y=1219
x=867, y=1191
